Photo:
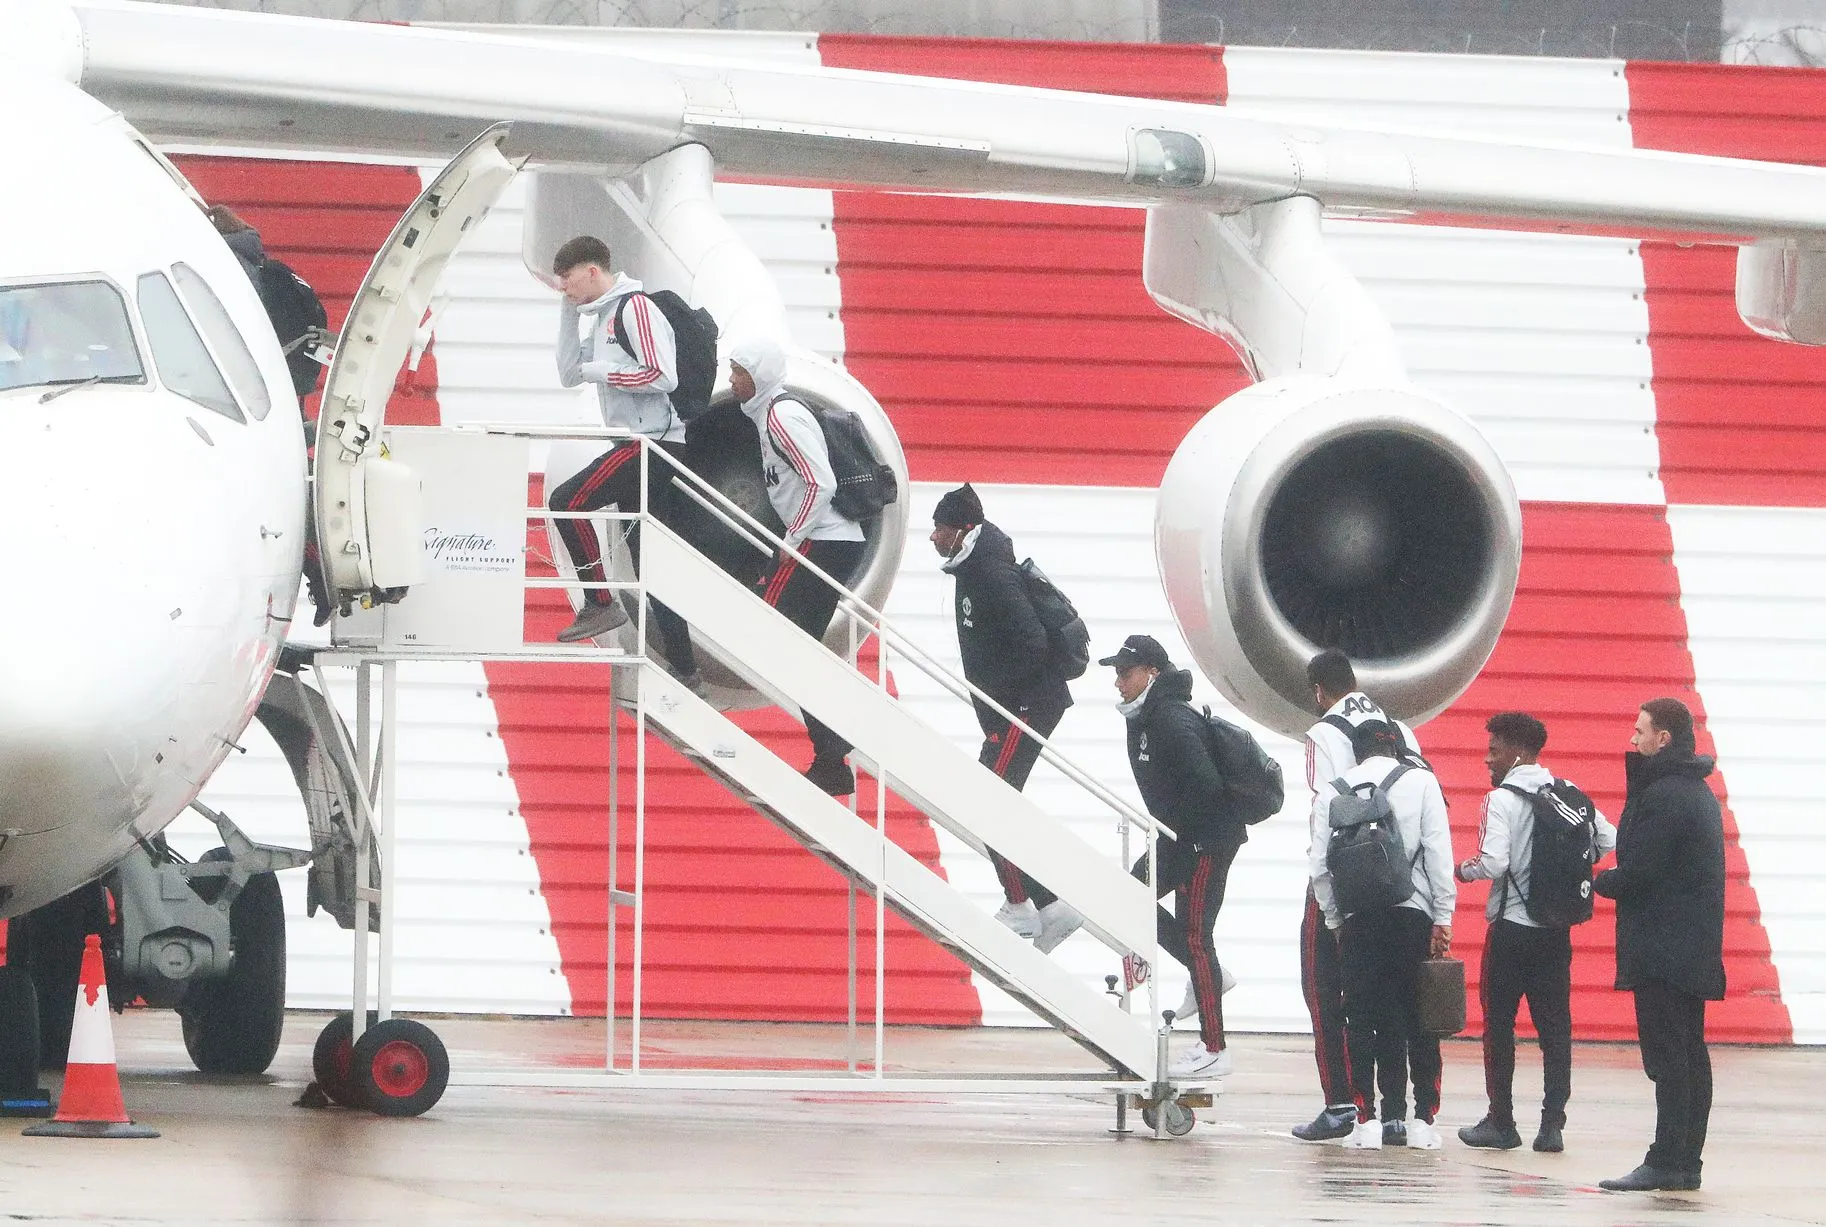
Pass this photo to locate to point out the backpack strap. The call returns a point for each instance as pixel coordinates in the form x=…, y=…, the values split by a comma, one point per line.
x=1509, y=873
x=1342, y=725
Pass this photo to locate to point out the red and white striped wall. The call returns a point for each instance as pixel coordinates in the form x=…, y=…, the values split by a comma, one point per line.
x=1671, y=466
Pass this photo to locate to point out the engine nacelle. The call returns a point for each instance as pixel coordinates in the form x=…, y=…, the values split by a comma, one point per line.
x=1305, y=513
x=734, y=462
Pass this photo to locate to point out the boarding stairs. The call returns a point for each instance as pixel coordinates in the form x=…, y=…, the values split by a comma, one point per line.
x=919, y=764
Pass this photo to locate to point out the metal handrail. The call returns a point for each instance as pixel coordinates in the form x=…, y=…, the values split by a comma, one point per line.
x=855, y=607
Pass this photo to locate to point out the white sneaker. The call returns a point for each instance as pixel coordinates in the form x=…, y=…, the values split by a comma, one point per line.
x=1058, y=921
x=1422, y=1135
x=1022, y=917
x=1188, y=1009
x=1366, y=1136
x=1199, y=1062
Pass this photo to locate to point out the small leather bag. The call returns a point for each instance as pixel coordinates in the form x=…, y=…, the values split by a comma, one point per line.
x=1440, y=989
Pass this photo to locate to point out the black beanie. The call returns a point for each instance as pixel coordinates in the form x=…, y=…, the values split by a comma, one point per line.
x=959, y=508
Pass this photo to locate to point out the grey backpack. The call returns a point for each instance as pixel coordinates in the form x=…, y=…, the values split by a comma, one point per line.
x=1369, y=867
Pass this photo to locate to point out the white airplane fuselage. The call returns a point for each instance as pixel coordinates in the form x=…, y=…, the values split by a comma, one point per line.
x=151, y=527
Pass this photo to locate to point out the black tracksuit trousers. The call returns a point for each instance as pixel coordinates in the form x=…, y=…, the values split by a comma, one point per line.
x=808, y=603
x=1198, y=877
x=613, y=480
x=1671, y=1028
x=1011, y=754
x=1322, y=984
x=1383, y=950
x=1523, y=961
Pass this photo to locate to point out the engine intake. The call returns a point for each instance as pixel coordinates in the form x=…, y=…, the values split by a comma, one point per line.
x=1303, y=514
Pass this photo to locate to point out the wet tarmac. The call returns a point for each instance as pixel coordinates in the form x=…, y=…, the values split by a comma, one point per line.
x=240, y=1152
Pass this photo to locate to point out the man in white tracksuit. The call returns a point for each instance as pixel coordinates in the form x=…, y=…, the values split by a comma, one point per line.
x=611, y=335
x=1341, y=707
x=1381, y=948
x=800, y=483
x=1522, y=957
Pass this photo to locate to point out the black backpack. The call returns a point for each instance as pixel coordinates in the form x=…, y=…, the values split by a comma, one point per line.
x=1560, y=860
x=694, y=334
x=1068, y=640
x=864, y=484
x=1369, y=867
x=295, y=310
x=1253, y=787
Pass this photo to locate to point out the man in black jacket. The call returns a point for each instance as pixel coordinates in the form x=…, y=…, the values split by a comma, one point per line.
x=1669, y=885
x=1170, y=753
x=1006, y=655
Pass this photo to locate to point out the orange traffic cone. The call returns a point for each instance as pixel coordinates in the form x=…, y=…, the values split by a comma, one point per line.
x=92, y=1106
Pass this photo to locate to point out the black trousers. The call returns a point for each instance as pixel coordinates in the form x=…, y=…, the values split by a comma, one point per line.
x=613, y=480
x=1197, y=875
x=808, y=603
x=1322, y=984
x=1523, y=961
x=1671, y=1028
x=1011, y=754
x=1382, y=952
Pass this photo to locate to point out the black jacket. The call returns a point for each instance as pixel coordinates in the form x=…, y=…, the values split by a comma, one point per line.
x=1170, y=753
x=249, y=250
x=999, y=634
x=1669, y=882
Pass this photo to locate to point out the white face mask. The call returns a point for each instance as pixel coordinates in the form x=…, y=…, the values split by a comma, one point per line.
x=1132, y=709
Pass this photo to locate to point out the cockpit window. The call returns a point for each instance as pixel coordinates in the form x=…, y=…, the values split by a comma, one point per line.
x=66, y=332
x=183, y=360
x=230, y=347
x=1164, y=158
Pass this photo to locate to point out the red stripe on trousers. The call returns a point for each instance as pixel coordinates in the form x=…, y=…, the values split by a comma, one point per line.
x=782, y=573
x=1210, y=1021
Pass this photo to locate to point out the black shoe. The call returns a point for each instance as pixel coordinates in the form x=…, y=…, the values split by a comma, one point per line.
x=1646, y=1179
x=1330, y=1124
x=832, y=775
x=1548, y=1140
x=1394, y=1133
x=1486, y=1134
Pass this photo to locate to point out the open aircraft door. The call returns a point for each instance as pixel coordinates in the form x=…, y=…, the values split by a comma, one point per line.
x=369, y=527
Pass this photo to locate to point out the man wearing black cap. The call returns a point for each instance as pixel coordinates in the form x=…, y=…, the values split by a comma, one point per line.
x=1177, y=776
x=1007, y=656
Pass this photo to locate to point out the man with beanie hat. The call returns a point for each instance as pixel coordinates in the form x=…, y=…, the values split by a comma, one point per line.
x=1007, y=656
x=1177, y=776
x=1669, y=885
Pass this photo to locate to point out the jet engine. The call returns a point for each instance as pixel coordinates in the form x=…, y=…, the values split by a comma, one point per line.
x=1306, y=513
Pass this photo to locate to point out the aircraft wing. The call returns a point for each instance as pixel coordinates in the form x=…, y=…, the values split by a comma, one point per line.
x=204, y=76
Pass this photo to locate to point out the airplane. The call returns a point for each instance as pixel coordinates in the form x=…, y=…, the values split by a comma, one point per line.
x=140, y=385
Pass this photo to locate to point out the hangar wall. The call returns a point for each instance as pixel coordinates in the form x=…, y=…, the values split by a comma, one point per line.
x=1671, y=472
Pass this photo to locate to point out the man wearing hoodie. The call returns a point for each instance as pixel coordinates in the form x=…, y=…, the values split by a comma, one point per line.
x=1170, y=754
x=1381, y=948
x=1522, y=957
x=1006, y=655
x=796, y=463
x=633, y=384
x=1669, y=884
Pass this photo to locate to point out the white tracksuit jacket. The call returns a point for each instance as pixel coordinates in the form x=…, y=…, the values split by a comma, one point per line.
x=1506, y=845
x=800, y=483
x=631, y=392
x=1420, y=816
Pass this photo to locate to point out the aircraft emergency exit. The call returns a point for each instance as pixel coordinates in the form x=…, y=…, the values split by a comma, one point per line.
x=152, y=457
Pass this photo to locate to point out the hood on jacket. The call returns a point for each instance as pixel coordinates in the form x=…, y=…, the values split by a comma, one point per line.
x=247, y=246
x=1531, y=776
x=620, y=288
x=985, y=543
x=1171, y=686
x=1640, y=771
x=765, y=362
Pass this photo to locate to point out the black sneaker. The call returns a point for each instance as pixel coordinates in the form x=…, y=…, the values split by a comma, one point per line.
x=1486, y=1134
x=1330, y=1124
x=1548, y=1140
x=833, y=776
x=1646, y=1179
x=1394, y=1133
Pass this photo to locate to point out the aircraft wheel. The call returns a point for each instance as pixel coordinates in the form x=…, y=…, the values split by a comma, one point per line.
x=333, y=1060
x=18, y=1034
x=47, y=942
x=401, y=1067
x=232, y=1024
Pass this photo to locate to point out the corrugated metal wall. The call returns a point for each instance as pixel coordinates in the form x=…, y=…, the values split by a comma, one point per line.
x=1013, y=345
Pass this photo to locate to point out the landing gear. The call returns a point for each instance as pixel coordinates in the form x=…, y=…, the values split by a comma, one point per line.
x=232, y=1024
x=47, y=944
x=397, y=1068
x=20, y=1094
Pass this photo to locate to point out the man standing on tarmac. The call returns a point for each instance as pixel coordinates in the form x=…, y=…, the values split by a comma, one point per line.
x=1669, y=885
x=1006, y=655
x=1329, y=754
x=1522, y=956
x=1179, y=783
x=632, y=387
